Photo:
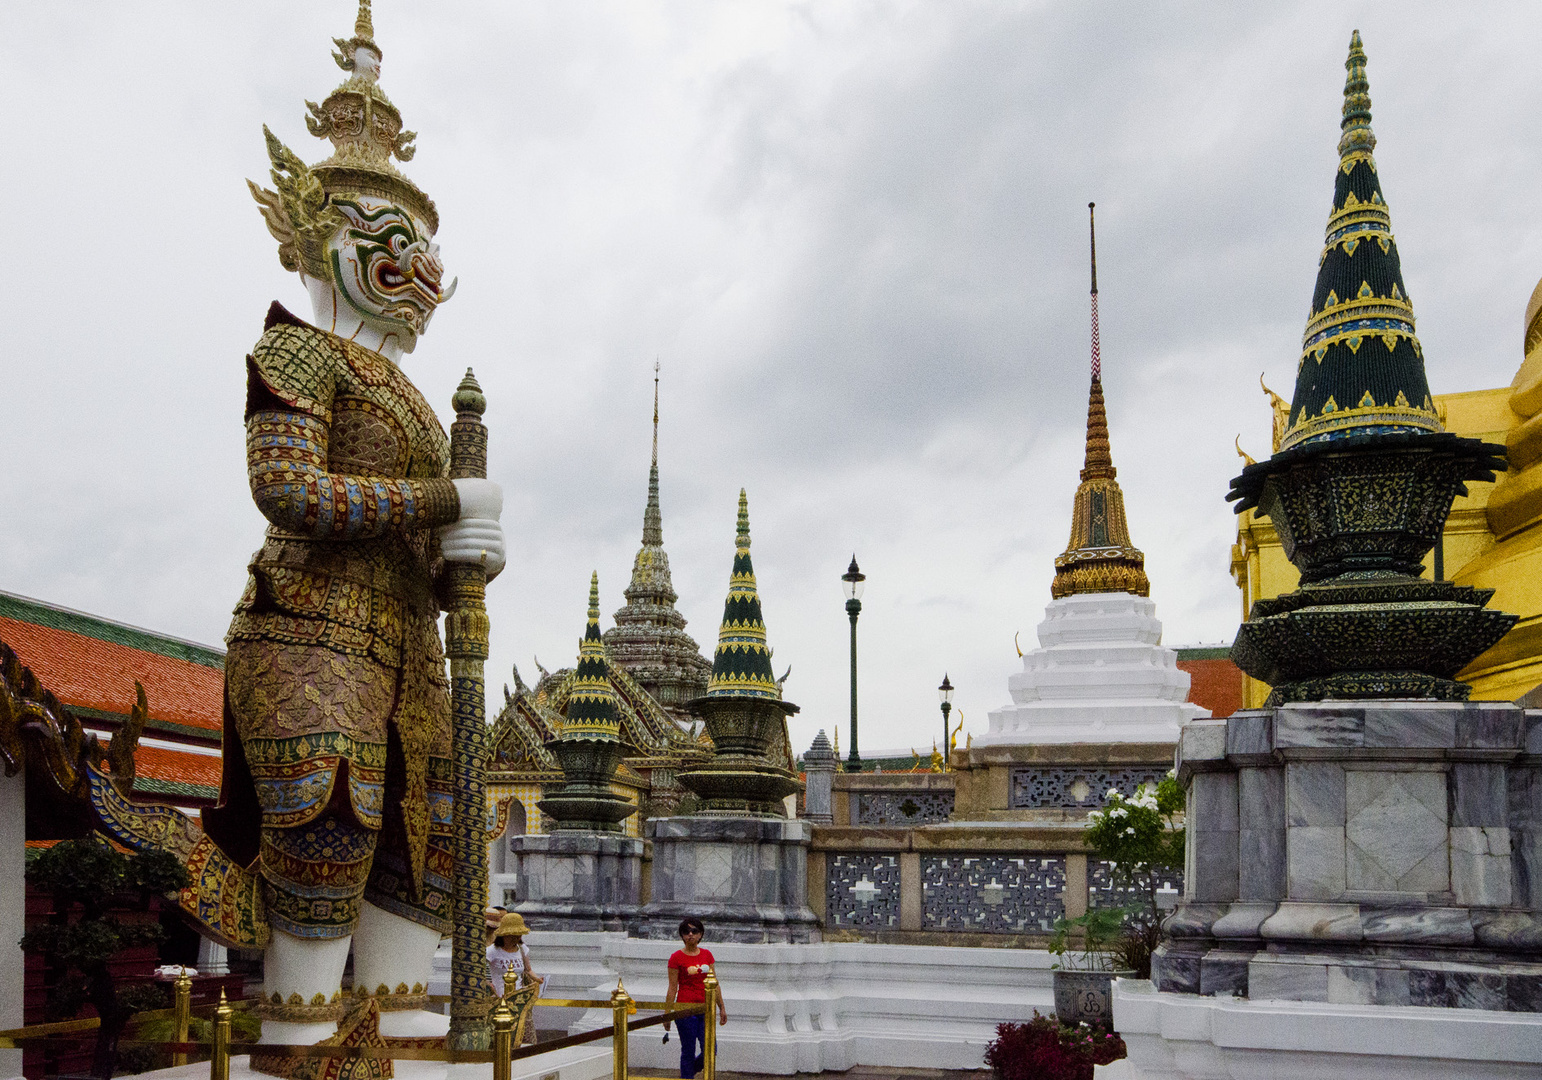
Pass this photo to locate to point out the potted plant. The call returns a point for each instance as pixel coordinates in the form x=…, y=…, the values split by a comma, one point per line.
x=1085, y=970
x=1138, y=837
x=1045, y=1049
x=90, y=883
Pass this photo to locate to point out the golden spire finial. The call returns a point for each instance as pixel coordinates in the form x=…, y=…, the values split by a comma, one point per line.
x=364, y=26
x=1099, y=556
x=1357, y=137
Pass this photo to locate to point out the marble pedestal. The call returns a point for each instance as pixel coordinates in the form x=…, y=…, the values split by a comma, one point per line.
x=1381, y=853
x=746, y=878
x=577, y=880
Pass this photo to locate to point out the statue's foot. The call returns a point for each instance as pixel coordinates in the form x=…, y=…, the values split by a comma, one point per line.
x=414, y=1024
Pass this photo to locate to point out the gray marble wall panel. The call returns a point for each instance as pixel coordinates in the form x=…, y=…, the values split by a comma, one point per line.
x=1314, y=793
x=1261, y=834
x=1212, y=836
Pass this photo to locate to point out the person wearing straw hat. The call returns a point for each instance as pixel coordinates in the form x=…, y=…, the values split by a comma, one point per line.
x=508, y=958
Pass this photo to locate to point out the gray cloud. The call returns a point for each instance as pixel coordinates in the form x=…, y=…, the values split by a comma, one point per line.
x=855, y=235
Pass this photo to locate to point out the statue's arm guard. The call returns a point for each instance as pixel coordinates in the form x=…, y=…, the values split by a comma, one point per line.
x=289, y=395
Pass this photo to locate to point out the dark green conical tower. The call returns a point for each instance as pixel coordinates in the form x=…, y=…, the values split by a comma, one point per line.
x=1361, y=369
x=1364, y=477
x=592, y=704
x=741, y=667
x=590, y=747
x=745, y=715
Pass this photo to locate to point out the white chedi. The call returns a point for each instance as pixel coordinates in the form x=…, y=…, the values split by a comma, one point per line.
x=1100, y=675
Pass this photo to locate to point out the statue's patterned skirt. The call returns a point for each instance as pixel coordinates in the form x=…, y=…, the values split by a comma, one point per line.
x=349, y=763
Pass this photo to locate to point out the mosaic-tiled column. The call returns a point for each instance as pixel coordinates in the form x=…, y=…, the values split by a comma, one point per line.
x=466, y=630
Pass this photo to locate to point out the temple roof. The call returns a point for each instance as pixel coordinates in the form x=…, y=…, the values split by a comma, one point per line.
x=649, y=637
x=1099, y=557
x=1361, y=370
x=82, y=669
x=741, y=667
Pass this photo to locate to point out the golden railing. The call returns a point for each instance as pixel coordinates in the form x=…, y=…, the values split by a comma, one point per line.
x=501, y=1056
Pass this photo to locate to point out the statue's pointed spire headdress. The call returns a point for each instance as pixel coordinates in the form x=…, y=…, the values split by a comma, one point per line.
x=741, y=667
x=365, y=130
x=1099, y=557
x=591, y=712
x=1361, y=370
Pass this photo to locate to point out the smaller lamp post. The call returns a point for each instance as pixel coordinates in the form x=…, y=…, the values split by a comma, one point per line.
x=945, y=695
x=853, y=578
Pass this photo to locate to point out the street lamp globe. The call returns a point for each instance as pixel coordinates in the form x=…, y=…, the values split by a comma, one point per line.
x=853, y=578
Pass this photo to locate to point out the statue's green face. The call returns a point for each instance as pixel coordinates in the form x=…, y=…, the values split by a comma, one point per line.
x=386, y=266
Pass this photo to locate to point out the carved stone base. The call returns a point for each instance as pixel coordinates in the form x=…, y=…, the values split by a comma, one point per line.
x=1384, y=853
x=571, y=880
x=746, y=878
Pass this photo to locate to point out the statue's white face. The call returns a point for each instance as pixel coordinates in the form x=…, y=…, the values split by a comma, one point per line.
x=386, y=268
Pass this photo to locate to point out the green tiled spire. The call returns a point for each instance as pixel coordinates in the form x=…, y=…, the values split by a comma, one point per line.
x=592, y=703
x=1361, y=369
x=742, y=664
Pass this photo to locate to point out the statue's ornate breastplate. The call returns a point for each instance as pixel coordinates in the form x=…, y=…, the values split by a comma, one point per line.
x=359, y=570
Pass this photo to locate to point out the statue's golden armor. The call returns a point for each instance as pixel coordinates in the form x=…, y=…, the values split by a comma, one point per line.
x=335, y=689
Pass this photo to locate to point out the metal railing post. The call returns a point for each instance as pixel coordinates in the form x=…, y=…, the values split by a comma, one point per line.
x=620, y=1007
x=709, y=1031
x=503, y=1040
x=183, y=1005
x=219, y=1059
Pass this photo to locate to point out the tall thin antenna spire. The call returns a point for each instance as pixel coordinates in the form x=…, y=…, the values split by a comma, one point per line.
x=1092, y=227
x=653, y=527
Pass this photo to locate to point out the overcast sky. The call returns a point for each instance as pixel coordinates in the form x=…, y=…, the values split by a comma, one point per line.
x=854, y=234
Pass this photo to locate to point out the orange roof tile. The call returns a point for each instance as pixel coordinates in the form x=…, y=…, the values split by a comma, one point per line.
x=160, y=771
x=84, y=672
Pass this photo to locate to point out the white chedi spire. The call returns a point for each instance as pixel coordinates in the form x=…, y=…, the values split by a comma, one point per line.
x=1101, y=675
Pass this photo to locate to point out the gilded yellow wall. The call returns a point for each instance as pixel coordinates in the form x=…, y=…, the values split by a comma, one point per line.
x=1470, y=552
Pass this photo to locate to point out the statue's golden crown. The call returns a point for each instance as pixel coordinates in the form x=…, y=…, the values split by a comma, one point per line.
x=365, y=130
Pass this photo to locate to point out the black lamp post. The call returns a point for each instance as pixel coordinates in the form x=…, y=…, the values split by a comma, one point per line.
x=945, y=695
x=853, y=579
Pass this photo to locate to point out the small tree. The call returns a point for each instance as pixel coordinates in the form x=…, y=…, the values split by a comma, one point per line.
x=98, y=879
x=1138, y=837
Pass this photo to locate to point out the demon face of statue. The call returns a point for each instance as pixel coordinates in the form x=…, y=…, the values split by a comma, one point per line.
x=385, y=266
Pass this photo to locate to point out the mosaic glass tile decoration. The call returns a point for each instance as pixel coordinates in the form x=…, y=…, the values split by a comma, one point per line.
x=1078, y=787
x=903, y=807
x=992, y=894
x=862, y=891
x=1103, y=892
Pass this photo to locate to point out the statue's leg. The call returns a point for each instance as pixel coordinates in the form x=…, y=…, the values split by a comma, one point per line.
x=392, y=956
x=400, y=928
x=408, y=899
x=313, y=885
x=310, y=968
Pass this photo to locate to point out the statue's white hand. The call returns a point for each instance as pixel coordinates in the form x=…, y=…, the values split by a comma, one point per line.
x=479, y=498
x=470, y=539
x=477, y=534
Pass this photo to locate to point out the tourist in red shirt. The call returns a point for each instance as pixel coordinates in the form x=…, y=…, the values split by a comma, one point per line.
x=689, y=967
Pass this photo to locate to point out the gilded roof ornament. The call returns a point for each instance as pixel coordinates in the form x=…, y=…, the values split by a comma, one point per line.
x=1099, y=557
x=1359, y=345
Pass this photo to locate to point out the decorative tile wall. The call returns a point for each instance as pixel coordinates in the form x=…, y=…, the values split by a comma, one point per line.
x=862, y=890
x=903, y=807
x=1077, y=787
x=1102, y=892
x=993, y=894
